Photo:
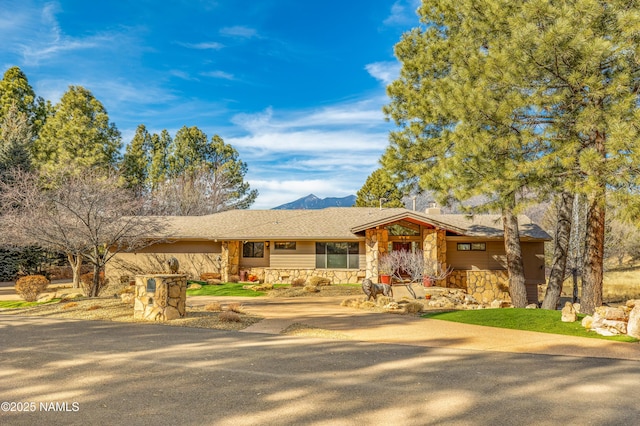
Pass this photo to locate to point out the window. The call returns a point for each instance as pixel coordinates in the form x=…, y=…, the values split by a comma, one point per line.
x=472, y=246
x=400, y=230
x=251, y=249
x=285, y=245
x=337, y=255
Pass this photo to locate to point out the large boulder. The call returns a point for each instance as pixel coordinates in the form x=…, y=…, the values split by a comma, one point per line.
x=633, y=326
x=569, y=313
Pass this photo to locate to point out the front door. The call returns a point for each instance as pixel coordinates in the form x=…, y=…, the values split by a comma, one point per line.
x=400, y=246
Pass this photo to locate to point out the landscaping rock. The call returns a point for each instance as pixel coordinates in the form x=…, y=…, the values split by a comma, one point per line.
x=194, y=286
x=532, y=306
x=633, y=326
x=45, y=297
x=587, y=322
x=569, y=313
x=128, y=298
x=610, y=313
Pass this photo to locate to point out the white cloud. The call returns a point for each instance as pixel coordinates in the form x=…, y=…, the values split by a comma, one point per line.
x=207, y=45
x=385, y=72
x=274, y=193
x=218, y=74
x=328, y=151
x=403, y=13
x=239, y=32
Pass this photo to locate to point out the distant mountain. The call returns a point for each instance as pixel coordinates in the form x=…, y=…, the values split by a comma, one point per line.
x=311, y=202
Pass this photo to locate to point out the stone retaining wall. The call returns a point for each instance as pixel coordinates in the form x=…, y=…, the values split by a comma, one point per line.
x=286, y=276
x=162, y=299
x=485, y=286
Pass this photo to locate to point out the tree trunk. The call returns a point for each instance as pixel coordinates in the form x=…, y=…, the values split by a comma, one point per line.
x=560, y=252
x=593, y=271
x=95, y=284
x=515, y=264
x=76, y=265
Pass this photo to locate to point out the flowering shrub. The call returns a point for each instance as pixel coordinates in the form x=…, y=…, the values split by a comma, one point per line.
x=30, y=287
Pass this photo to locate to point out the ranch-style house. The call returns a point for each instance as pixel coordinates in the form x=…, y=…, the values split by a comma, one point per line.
x=344, y=244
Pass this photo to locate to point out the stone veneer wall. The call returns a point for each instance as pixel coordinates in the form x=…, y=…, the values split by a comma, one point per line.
x=434, y=246
x=230, y=259
x=376, y=243
x=168, y=302
x=485, y=286
x=286, y=276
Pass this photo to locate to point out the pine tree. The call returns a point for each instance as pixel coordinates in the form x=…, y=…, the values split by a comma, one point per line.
x=458, y=133
x=15, y=142
x=379, y=190
x=78, y=132
x=159, y=166
x=136, y=161
x=514, y=98
x=15, y=90
x=189, y=151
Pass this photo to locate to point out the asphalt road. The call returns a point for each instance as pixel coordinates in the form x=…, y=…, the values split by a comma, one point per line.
x=108, y=373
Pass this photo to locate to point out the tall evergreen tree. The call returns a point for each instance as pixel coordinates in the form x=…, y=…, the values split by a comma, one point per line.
x=523, y=95
x=459, y=132
x=15, y=90
x=159, y=166
x=16, y=138
x=136, y=160
x=189, y=151
x=78, y=132
x=379, y=190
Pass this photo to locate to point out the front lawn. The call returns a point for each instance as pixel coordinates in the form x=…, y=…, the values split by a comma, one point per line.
x=14, y=304
x=541, y=320
x=227, y=289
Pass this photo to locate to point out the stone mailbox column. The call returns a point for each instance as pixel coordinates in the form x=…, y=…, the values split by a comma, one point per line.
x=160, y=297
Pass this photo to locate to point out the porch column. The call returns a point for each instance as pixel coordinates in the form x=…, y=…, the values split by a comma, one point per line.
x=434, y=249
x=229, y=260
x=376, y=243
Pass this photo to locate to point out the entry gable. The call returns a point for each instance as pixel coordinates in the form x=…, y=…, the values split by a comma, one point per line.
x=396, y=216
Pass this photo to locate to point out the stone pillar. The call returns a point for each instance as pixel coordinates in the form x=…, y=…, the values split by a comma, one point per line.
x=434, y=249
x=229, y=260
x=376, y=243
x=160, y=297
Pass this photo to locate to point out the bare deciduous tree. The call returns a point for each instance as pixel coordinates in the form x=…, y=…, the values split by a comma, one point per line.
x=84, y=215
x=410, y=266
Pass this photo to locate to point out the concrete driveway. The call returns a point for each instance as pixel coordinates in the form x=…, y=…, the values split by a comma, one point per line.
x=394, y=370
x=144, y=374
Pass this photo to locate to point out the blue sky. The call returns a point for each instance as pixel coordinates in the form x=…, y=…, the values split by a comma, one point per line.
x=296, y=87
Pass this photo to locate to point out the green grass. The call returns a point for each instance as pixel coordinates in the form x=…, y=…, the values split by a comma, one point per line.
x=541, y=320
x=13, y=304
x=228, y=289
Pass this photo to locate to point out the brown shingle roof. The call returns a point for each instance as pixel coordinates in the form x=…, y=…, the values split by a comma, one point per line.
x=337, y=223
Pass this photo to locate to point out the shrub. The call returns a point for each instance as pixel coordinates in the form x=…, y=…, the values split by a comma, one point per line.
x=298, y=282
x=229, y=317
x=311, y=289
x=30, y=287
x=87, y=281
x=213, y=307
x=234, y=278
x=235, y=307
x=413, y=307
x=319, y=281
